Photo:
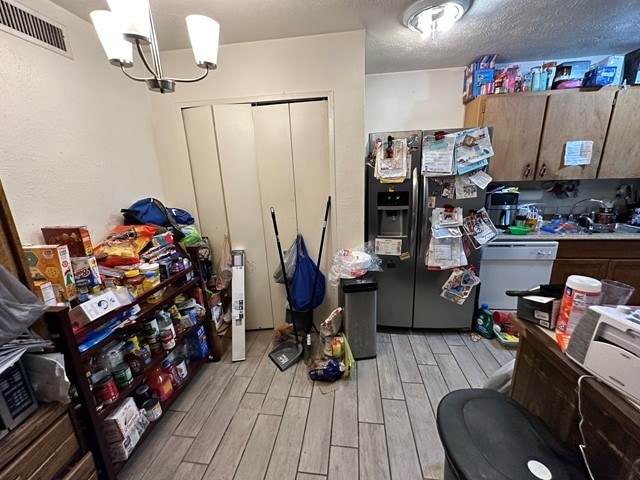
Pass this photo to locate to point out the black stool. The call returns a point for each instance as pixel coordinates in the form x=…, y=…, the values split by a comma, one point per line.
x=487, y=435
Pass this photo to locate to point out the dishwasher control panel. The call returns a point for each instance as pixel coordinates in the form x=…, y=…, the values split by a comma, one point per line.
x=520, y=251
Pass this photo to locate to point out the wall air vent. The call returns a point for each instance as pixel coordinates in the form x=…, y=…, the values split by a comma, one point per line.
x=29, y=25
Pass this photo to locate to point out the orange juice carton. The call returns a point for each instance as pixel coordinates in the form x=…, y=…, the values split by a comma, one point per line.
x=75, y=237
x=52, y=263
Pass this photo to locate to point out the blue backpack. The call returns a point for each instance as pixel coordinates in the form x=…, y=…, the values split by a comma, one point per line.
x=151, y=210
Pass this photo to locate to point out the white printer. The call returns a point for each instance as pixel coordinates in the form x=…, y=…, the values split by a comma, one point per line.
x=606, y=342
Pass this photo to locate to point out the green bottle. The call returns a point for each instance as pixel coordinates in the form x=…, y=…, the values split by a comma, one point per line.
x=483, y=323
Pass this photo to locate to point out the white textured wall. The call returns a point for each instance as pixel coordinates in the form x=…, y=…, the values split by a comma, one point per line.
x=418, y=100
x=318, y=65
x=76, y=143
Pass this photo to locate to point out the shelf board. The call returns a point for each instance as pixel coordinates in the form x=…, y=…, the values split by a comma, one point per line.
x=94, y=325
x=194, y=368
x=156, y=361
x=145, y=310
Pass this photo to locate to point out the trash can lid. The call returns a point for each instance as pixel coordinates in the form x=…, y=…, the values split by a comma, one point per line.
x=486, y=434
x=365, y=283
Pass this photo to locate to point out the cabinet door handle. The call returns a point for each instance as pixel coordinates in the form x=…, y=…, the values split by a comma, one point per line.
x=543, y=170
x=527, y=171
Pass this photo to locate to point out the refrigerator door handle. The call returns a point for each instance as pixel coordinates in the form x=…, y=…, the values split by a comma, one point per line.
x=414, y=211
x=424, y=232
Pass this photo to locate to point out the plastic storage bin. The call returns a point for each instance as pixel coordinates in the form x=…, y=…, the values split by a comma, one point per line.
x=486, y=434
x=359, y=297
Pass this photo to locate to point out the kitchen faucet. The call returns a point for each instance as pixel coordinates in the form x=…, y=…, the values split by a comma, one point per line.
x=600, y=202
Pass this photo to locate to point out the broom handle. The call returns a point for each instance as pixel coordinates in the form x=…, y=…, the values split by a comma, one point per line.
x=324, y=229
x=284, y=271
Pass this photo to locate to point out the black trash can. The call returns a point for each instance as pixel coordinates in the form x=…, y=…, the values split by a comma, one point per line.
x=487, y=435
x=359, y=300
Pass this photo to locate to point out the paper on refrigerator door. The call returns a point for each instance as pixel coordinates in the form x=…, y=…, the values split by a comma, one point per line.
x=473, y=146
x=391, y=162
x=465, y=188
x=437, y=155
x=481, y=178
x=388, y=246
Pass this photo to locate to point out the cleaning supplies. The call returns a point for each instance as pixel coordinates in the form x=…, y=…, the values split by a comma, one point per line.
x=483, y=322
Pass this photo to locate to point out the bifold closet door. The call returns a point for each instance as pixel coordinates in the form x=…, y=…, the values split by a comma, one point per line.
x=311, y=168
x=275, y=172
x=238, y=164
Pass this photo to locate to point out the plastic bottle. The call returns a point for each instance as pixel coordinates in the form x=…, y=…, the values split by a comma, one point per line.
x=483, y=323
x=160, y=384
x=579, y=294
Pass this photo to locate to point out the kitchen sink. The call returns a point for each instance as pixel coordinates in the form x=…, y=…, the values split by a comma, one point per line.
x=625, y=228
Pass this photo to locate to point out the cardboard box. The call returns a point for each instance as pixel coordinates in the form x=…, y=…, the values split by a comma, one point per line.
x=541, y=310
x=85, y=271
x=44, y=291
x=121, y=450
x=93, y=309
x=632, y=67
x=52, y=263
x=479, y=78
x=121, y=421
x=75, y=237
x=600, y=77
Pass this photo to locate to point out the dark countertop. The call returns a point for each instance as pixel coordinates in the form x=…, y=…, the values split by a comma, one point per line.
x=546, y=236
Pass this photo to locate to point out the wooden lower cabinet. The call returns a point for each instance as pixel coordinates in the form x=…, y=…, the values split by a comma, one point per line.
x=613, y=259
x=46, y=446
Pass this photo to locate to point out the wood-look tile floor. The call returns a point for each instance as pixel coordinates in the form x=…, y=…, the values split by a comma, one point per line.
x=247, y=420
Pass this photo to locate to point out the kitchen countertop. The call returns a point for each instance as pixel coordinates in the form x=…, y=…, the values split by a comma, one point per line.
x=542, y=236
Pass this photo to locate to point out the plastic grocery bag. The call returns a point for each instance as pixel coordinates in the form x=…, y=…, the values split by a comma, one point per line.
x=290, y=257
x=224, y=273
x=302, y=285
x=354, y=263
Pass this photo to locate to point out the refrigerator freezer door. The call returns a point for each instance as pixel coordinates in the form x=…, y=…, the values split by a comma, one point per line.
x=391, y=216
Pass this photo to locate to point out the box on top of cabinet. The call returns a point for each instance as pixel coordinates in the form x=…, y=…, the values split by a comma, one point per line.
x=479, y=78
x=75, y=237
x=52, y=263
x=632, y=67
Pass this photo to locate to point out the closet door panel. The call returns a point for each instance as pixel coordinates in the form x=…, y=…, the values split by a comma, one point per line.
x=275, y=174
x=237, y=151
x=205, y=172
x=311, y=169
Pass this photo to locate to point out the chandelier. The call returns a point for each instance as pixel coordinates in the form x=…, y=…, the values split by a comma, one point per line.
x=129, y=22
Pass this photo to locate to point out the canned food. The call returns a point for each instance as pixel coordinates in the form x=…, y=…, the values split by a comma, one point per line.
x=154, y=343
x=150, y=327
x=141, y=395
x=152, y=409
x=167, y=339
x=122, y=375
x=180, y=365
x=106, y=390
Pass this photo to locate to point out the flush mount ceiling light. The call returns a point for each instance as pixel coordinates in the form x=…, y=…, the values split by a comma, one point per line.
x=430, y=16
x=130, y=22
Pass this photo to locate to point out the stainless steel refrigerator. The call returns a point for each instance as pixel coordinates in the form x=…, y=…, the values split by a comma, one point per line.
x=408, y=293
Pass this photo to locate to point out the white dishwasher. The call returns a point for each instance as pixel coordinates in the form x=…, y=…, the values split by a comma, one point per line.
x=509, y=265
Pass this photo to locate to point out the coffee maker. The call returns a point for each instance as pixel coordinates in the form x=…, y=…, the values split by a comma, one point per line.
x=502, y=208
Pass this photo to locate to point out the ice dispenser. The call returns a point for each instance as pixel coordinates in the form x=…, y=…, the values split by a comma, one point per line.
x=393, y=214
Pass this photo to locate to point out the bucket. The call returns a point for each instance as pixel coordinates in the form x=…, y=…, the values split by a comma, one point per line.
x=579, y=294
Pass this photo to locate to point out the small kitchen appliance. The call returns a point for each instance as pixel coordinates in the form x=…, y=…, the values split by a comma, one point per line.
x=606, y=342
x=17, y=400
x=502, y=208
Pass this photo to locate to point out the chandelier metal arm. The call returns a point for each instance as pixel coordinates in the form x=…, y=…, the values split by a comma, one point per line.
x=192, y=80
x=137, y=79
x=146, y=63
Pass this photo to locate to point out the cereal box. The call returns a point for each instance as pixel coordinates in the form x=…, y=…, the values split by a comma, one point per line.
x=44, y=291
x=85, y=271
x=52, y=263
x=76, y=238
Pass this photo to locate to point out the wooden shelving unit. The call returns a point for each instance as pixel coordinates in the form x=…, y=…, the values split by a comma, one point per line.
x=69, y=341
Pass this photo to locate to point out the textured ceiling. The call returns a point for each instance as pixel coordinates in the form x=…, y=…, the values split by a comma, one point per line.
x=517, y=30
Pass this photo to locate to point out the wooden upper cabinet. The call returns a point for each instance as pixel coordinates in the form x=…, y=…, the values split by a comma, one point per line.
x=621, y=157
x=517, y=125
x=570, y=117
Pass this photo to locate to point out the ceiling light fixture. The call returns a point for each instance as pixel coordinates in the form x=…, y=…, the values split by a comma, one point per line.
x=430, y=16
x=130, y=22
